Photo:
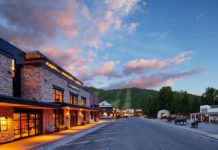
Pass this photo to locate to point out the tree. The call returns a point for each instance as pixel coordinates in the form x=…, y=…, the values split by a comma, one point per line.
x=210, y=97
x=185, y=103
x=166, y=98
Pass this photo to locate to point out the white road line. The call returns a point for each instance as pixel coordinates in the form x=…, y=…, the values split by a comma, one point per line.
x=103, y=139
x=84, y=142
x=102, y=134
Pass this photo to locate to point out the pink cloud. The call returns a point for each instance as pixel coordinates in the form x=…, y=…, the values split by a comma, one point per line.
x=92, y=41
x=107, y=68
x=111, y=21
x=155, y=80
x=32, y=24
x=135, y=66
x=73, y=60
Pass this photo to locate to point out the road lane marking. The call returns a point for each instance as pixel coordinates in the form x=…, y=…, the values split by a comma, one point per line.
x=102, y=134
x=103, y=139
x=84, y=142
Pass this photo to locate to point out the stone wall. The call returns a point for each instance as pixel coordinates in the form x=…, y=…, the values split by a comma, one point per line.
x=6, y=82
x=7, y=136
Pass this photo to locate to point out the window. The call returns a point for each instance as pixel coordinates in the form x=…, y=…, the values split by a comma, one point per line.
x=83, y=102
x=74, y=99
x=13, y=68
x=58, y=96
x=3, y=124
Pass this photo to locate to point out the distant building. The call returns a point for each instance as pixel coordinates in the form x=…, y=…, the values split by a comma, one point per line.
x=138, y=112
x=208, y=113
x=128, y=113
x=163, y=113
x=106, y=110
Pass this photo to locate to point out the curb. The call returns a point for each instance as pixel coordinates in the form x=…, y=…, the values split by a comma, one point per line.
x=202, y=133
x=69, y=138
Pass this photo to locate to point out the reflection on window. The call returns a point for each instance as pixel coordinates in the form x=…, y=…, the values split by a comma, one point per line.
x=83, y=102
x=74, y=99
x=3, y=124
x=58, y=96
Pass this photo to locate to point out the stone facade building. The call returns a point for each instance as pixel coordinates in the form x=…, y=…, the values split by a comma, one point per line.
x=37, y=96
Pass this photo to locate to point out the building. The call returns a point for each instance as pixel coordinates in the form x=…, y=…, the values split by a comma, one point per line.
x=163, y=114
x=208, y=113
x=106, y=110
x=138, y=113
x=37, y=96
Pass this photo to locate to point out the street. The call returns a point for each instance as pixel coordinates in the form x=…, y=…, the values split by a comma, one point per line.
x=140, y=134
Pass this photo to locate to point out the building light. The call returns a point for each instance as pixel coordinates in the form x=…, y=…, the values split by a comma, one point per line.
x=3, y=124
x=13, y=68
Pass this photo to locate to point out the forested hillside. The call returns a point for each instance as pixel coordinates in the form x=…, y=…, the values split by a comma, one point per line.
x=150, y=100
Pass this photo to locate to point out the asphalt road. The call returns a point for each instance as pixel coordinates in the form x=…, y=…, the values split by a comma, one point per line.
x=140, y=134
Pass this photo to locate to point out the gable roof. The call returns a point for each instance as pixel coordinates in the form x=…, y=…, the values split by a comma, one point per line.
x=105, y=104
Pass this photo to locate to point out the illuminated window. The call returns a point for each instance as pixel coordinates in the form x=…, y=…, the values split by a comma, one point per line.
x=3, y=124
x=58, y=95
x=13, y=68
x=83, y=102
x=74, y=99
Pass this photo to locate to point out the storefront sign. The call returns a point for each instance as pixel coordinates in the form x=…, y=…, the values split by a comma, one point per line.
x=73, y=87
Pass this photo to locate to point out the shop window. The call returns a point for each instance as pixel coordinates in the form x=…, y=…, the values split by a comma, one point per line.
x=58, y=95
x=74, y=99
x=83, y=102
x=3, y=124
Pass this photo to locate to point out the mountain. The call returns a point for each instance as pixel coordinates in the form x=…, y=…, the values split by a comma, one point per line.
x=136, y=98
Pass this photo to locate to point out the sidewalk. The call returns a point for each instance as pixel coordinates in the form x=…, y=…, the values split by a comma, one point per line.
x=204, y=129
x=48, y=141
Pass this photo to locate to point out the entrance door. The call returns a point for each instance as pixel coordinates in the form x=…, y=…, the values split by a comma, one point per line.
x=27, y=123
x=73, y=118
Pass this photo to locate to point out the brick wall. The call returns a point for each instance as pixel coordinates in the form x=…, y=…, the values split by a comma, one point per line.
x=86, y=94
x=7, y=136
x=37, y=83
x=48, y=122
x=6, y=82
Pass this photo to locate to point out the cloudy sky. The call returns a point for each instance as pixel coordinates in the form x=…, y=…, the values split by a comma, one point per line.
x=121, y=43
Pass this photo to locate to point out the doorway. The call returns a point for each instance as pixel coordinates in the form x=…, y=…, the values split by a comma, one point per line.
x=73, y=118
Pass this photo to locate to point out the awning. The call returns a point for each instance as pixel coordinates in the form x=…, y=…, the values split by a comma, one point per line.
x=21, y=102
x=78, y=107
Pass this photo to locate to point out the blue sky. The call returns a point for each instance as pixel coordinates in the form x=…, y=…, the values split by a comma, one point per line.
x=117, y=44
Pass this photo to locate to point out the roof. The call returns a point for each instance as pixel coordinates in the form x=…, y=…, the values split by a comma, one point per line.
x=11, y=51
x=36, y=57
x=105, y=104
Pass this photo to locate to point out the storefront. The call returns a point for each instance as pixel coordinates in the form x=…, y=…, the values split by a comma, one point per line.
x=73, y=118
x=58, y=117
x=27, y=122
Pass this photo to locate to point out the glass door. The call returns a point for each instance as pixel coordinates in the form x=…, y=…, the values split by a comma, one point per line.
x=24, y=125
x=27, y=123
x=73, y=118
